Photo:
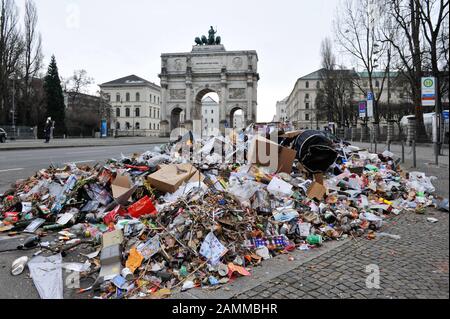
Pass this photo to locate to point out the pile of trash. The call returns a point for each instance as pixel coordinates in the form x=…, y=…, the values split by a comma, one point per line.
x=153, y=224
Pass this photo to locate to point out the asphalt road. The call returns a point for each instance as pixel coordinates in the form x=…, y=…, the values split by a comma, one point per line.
x=16, y=165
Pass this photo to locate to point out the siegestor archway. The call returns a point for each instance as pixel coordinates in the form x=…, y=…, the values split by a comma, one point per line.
x=187, y=77
x=176, y=119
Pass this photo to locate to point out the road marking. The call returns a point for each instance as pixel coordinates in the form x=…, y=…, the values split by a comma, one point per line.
x=11, y=170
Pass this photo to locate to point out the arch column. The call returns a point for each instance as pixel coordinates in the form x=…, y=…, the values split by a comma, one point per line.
x=165, y=118
x=188, y=111
x=249, y=113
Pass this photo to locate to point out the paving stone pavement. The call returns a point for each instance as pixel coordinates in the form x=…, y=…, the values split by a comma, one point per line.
x=413, y=267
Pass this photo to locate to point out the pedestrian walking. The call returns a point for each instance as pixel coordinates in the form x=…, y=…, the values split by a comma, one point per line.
x=48, y=130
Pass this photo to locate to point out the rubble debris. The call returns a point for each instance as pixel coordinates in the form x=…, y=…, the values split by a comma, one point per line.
x=164, y=221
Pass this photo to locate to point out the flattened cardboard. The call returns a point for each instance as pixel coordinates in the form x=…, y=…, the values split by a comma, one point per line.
x=270, y=150
x=170, y=177
x=317, y=191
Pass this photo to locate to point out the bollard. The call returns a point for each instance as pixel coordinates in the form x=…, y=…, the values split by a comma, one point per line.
x=403, y=152
x=436, y=153
x=414, y=153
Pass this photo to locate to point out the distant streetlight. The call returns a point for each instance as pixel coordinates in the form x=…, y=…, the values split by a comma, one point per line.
x=13, y=111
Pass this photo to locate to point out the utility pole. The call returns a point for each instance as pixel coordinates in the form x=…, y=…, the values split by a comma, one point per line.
x=14, y=108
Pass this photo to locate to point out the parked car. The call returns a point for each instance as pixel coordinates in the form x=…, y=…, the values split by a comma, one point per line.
x=3, y=135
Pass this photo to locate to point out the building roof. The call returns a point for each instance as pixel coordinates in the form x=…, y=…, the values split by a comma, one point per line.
x=209, y=99
x=131, y=80
x=284, y=100
x=312, y=76
x=377, y=74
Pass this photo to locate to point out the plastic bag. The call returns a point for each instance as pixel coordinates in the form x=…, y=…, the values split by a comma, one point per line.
x=46, y=273
x=143, y=207
x=243, y=192
x=420, y=182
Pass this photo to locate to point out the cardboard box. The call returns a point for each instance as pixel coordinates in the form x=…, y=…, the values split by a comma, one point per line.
x=196, y=177
x=170, y=177
x=120, y=185
x=318, y=178
x=264, y=152
x=112, y=238
x=316, y=191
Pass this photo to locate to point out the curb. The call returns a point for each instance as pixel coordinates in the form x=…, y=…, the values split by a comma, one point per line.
x=24, y=148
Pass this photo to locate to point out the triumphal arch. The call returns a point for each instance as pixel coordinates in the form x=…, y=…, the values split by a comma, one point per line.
x=187, y=77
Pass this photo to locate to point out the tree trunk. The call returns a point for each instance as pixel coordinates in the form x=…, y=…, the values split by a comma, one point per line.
x=421, y=135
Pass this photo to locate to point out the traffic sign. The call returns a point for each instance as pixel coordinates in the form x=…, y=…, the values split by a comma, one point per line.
x=362, y=109
x=428, y=91
x=445, y=115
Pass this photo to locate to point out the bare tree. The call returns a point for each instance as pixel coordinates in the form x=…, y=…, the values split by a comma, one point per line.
x=32, y=63
x=79, y=82
x=358, y=25
x=433, y=13
x=11, y=49
x=407, y=44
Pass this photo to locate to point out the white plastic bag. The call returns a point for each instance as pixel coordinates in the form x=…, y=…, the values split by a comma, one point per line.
x=46, y=273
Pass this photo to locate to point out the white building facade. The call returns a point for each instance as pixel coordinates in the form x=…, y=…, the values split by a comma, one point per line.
x=210, y=116
x=281, y=115
x=136, y=106
x=301, y=104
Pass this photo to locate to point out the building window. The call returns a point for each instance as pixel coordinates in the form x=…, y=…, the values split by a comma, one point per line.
x=307, y=96
x=377, y=84
x=118, y=97
x=154, y=113
x=306, y=117
x=212, y=121
x=127, y=125
x=150, y=98
x=158, y=114
x=307, y=106
x=401, y=95
x=318, y=84
x=138, y=126
x=138, y=97
x=307, y=84
x=117, y=112
x=127, y=112
x=206, y=121
x=154, y=126
x=158, y=101
x=137, y=112
x=127, y=97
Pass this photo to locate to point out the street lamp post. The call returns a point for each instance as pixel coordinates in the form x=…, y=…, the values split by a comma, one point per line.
x=13, y=111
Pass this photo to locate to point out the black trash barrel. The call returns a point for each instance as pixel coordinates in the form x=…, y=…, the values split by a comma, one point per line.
x=315, y=151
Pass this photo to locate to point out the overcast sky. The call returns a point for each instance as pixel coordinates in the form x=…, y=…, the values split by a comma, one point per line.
x=114, y=38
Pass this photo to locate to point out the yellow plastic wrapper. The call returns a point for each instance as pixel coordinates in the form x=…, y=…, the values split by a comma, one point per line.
x=134, y=260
